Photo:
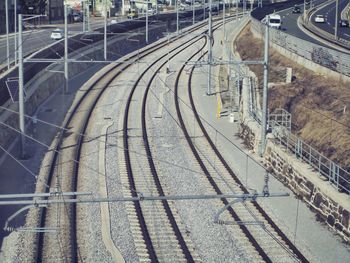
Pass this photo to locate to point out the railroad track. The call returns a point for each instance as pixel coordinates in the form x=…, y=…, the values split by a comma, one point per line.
x=146, y=181
x=64, y=170
x=269, y=243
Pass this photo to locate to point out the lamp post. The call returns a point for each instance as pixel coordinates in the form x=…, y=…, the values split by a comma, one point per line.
x=65, y=48
x=193, y=12
x=203, y=9
x=177, y=16
x=21, y=84
x=15, y=9
x=105, y=32
x=209, y=50
x=7, y=34
x=147, y=21
x=336, y=19
x=265, y=91
x=21, y=87
x=223, y=21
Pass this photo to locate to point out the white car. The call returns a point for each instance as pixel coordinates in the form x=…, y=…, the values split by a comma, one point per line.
x=320, y=19
x=57, y=34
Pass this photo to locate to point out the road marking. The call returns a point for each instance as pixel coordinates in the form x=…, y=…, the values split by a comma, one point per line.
x=105, y=216
x=347, y=35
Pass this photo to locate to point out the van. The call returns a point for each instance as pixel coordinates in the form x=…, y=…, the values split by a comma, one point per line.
x=274, y=21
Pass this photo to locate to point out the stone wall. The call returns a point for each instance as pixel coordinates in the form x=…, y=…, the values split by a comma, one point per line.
x=303, y=182
x=327, y=210
x=329, y=206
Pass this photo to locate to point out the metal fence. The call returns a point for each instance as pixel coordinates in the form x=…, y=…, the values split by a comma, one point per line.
x=280, y=123
x=329, y=58
x=337, y=176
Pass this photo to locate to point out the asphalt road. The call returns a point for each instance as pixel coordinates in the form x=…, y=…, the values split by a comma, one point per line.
x=36, y=39
x=329, y=13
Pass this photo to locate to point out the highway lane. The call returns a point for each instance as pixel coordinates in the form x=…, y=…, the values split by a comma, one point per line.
x=329, y=12
x=38, y=38
x=290, y=24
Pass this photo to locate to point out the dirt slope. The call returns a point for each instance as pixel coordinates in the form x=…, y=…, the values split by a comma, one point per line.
x=319, y=104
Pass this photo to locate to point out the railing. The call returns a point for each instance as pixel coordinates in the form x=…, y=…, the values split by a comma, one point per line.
x=254, y=112
x=337, y=176
x=320, y=32
x=280, y=123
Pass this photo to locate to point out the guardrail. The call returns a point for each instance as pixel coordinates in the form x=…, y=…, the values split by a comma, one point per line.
x=320, y=32
x=326, y=57
x=280, y=124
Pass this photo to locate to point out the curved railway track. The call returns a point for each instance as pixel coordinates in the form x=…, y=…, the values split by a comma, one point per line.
x=65, y=161
x=174, y=241
x=267, y=234
x=138, y=184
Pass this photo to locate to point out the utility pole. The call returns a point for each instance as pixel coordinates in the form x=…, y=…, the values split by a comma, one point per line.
x=336, y=19
x=223, y=22
x=21, y=87
x=15, y=7
x=147, y=22
x=177, y=16
x=7, y=34
x=265, y=91
x=203, y=9
x=65, y=49
x=193, y=11
x=105, y=32
x=210, y=35
x=88, y=15
x=84, y=15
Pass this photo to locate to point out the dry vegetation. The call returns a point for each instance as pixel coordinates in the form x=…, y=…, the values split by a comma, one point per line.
x=320, y=105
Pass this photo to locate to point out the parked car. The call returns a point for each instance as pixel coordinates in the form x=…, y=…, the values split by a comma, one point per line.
x=57, y=34
x=77, y=17
x=343, y=23
x=319, y=19
x=133, y=14
x=296, y=10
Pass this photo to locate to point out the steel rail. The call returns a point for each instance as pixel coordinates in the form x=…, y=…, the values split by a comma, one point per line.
x=40, y=250
x=236, y=179
x=245, y=230
x=56, y=151
x=156, y=178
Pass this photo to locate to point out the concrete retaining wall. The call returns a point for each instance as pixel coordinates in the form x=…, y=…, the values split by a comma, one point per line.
x=326, y=208
x=305, y=62
x=45, y=83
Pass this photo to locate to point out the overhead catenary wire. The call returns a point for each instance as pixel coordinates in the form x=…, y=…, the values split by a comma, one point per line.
x=24, y=167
